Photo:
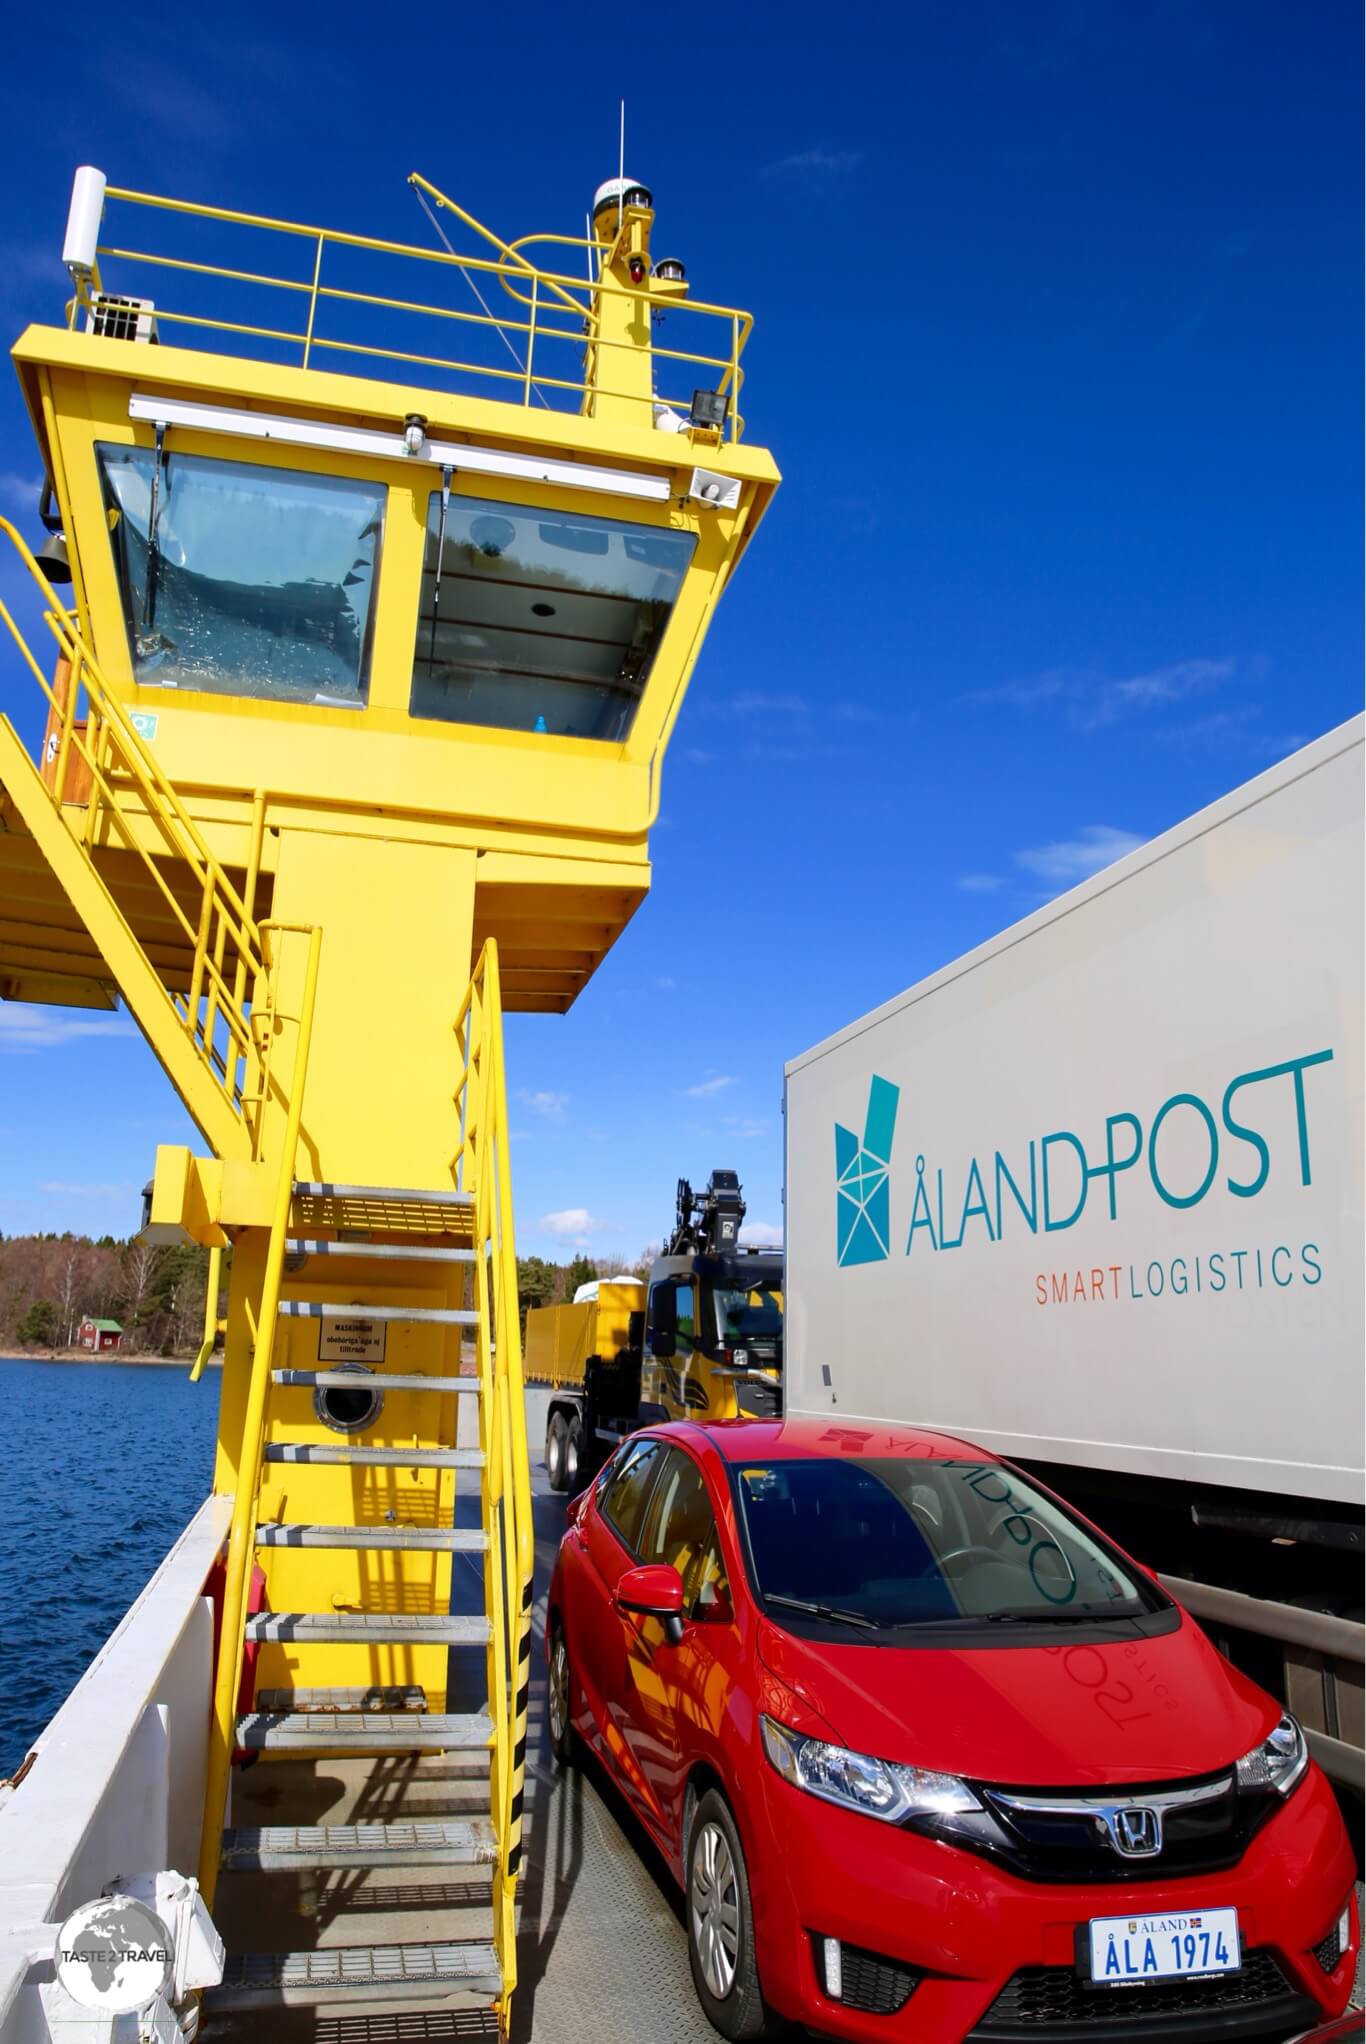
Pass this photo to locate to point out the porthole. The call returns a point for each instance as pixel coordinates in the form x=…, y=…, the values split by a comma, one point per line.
x=346, y=1411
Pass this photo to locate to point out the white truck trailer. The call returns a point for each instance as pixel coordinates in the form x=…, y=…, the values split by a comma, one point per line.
x=1092, y=1196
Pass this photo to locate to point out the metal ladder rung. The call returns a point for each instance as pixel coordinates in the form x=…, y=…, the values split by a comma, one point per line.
x=375, y=1458
x=383, y=1195
x=369, y=1628
x=462, y=1842
x=369, y=1731
x=467, y=1974
x=410, y=1539
x=305, y=1245
x=330, y=1309
x=347, y=1380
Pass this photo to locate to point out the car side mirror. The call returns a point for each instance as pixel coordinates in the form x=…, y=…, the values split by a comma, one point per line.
x=654, y=1590
x=663, y=1323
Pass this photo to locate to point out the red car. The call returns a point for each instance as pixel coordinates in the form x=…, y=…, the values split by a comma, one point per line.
x=931, y=1758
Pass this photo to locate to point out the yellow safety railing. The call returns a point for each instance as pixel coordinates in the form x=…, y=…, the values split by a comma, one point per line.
x=481, y=1168
x=559, y=308
x=242, y=1531
x=213, y=1325
x=111, y=793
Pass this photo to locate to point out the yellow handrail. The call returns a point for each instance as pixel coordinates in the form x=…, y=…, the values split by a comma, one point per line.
x=242, y=1533
x=562, y=306
x=211, y=1285
x=130, y=800
x=481, y=1167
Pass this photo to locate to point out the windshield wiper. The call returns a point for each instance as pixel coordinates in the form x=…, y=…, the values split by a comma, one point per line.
x=1055, y=1617
x=828, y=1611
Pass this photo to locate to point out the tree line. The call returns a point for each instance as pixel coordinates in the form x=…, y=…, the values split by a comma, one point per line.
x=542, y=1283
x=49, y=1283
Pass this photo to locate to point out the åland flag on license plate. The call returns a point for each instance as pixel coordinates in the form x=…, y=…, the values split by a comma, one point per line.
x=1128, y=1949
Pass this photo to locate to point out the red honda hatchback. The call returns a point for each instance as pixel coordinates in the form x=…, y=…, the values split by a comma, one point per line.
x=930, y=1758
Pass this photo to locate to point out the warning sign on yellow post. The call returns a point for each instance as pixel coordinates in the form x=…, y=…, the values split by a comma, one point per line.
x=351, y=1341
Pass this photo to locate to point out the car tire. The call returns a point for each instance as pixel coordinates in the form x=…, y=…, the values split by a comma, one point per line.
x=721, y=1952
x=554, y=1451
x=559, y=1692
x=573, y=1452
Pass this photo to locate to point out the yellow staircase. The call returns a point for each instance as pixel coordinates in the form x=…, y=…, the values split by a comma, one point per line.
x=456, y=1243
x=435, y=1258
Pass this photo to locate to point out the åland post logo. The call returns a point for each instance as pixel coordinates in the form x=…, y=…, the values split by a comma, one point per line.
x=863, y=1223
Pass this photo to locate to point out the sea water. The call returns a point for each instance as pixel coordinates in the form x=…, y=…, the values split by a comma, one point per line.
x=105, y=1464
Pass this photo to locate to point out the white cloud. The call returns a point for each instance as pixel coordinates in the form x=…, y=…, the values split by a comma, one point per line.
x=714, y=1083
x=21, y=491
x=665, y=985
x=1068, y=860
x=825, y=162
x=550, y=1106
x=745, y=1126
x=26, y=1028
x=573, y=1224
x=752, y=703
x=761, y=1235
x=979, y=883
x=1089, y=700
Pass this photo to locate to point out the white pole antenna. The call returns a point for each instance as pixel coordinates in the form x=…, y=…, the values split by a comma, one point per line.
x=621, y=170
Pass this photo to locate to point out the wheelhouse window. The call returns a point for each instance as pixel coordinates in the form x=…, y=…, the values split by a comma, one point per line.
x=530, y=621
x=243, y=580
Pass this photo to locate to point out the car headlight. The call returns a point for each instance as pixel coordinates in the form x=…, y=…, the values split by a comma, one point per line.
x=879, y=1788
x=1277, y=1764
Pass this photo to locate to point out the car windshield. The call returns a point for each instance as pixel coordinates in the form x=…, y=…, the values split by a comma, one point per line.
x=748, y=1313
x=895, y=1542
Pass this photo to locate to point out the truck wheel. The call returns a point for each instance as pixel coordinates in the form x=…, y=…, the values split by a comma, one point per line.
x=559, y=1694
x=554, y=1450
x=721, y=1927
x=573, y=1450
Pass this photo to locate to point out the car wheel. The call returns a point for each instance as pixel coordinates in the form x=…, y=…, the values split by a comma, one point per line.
x=559, y=1689
x=554, y=1451
x=721, y=1926
x=573, y=1449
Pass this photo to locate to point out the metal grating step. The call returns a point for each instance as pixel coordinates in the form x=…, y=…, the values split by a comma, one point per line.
x=358, y=1973
x=382, y=1195
x=347, y=1380
x=381, y=1209
x=467, y=1842
x=369, y=1731
x=369, y=1628
x=386, y=1696
x=394, y=1252
x=332, y=1309
x=411, y=1539
x=375, y=1458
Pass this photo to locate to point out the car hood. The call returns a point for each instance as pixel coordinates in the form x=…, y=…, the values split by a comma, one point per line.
x=1126, y=1710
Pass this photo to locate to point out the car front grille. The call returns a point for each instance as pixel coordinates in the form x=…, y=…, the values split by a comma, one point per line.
x=875, y=1985
x=1050, y=1835
x=1056, y=1998
x=1330, y=1951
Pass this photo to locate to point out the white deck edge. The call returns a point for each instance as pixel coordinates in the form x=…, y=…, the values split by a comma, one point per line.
x=116, y=1783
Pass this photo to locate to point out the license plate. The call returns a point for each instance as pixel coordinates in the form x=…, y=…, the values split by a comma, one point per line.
x=1127, y=1950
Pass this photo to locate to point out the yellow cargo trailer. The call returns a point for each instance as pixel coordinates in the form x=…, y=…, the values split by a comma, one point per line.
x=561, y=1341
x=702, y=1338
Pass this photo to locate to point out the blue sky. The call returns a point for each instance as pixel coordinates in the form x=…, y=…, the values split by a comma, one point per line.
x=1058, y=347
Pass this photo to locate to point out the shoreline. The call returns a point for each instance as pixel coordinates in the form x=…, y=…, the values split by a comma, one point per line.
x=136, y=1360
